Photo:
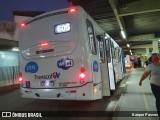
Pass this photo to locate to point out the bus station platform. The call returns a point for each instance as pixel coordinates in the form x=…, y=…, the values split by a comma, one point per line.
x=136, y=102
x=129, y=102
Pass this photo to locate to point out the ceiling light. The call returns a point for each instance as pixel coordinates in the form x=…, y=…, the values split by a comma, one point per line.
x=123, y=34
x=128, y=45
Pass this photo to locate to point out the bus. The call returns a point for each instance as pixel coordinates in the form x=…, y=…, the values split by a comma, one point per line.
x=65, y=55
x=128, y=62
x=115, y=62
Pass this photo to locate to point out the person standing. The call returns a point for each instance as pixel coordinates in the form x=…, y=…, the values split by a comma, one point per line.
x=154, y=70
x=139, y=62
x=149, y=60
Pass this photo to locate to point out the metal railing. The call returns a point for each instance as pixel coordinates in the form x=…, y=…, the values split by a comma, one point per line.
x=9, y=75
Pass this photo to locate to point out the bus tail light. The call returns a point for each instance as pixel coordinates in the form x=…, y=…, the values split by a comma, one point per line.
x=72, y=10
x=20, y=79
x=22, y=24
x=82, y=75
x=82, y=70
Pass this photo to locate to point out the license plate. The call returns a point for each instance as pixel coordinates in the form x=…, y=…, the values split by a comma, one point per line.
x=47, y=83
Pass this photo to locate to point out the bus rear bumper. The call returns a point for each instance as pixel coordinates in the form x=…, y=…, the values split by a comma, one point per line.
x=48, y=93
x=78, y=93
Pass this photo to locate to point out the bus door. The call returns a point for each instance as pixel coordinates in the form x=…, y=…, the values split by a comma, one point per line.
x=94, y=60
x=109, y=54
x=103, y=66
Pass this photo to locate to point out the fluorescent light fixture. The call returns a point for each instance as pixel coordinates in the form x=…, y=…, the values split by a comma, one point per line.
x=130, y=51
x=128, y=45
x=105, y=37
x=15, y=49
x=159, y=40
x=123, y=34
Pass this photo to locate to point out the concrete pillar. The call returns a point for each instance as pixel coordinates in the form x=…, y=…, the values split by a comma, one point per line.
x=155, y=46
x=147, y=52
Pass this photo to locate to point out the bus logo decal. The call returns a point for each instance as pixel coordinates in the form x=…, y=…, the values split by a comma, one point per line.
x=54, y=75
x=65, y=63
x=95, y=66
x=31, y=67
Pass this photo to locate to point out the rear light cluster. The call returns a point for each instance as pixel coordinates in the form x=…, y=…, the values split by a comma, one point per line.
x=82, y=75
x=20, y=78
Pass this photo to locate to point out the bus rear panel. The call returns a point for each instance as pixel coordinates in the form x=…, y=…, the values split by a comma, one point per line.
x=52, y=64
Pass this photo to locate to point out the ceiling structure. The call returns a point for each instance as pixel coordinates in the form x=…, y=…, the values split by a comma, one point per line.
x=7, y=28
x=10, y=28
x=7, y=44
x=139, y=19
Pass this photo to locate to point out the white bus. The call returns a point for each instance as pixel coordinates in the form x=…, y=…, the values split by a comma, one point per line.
x=115, y=62
x=63, y=55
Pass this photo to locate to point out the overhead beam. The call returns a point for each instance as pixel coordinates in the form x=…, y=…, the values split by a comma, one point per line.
x=119, y=19
x=8, y=42
x=140, y=51
x=141, y=46
x=125, y=50
x=147, y=37
x=139, y=7
x=5, y=47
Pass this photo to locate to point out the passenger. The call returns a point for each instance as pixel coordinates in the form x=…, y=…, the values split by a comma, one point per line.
x=149, y=60
x=139, y=62
x=142, y=58
x=136, y=63
x=154, y=70
x=145, y=61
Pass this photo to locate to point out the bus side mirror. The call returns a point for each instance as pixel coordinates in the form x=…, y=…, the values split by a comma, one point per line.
x=99, y=37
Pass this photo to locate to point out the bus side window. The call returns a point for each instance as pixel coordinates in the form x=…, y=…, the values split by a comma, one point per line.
x=108, y=51
x=117, y=54
x=102, y=51
x=112, y=50
x=91, y=36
